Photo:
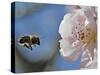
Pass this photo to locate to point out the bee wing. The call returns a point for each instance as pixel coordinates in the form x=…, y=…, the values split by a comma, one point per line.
x=22, y=45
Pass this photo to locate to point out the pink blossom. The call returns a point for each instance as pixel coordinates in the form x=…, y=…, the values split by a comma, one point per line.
x=78, y=31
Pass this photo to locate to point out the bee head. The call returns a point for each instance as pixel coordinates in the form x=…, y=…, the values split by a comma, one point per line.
x=36, y=40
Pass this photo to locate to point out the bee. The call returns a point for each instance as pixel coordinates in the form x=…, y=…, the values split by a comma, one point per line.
x=28, y=41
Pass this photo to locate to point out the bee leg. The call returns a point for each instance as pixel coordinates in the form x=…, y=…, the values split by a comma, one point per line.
x=26, y=45
x=30, y=46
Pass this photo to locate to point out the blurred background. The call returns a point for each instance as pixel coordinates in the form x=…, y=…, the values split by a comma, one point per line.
x=42, y=20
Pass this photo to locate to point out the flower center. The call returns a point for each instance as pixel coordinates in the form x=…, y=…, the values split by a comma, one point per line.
x=87, y=35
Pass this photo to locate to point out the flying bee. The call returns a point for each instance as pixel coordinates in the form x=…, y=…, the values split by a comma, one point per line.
x=28, y=41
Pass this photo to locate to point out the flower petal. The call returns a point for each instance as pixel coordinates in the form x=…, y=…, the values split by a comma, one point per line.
x=65, y=26
x=90, y=13
x=66, y=49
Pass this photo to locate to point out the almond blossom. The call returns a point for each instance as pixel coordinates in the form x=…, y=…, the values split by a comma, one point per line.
x=78, y=31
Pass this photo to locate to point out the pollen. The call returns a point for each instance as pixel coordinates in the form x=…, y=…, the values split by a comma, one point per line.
x=87, y=36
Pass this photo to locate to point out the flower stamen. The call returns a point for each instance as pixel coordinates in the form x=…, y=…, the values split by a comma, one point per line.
x=87, y=36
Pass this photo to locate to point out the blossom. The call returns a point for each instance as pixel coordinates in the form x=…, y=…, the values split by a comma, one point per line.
x=78, y=31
